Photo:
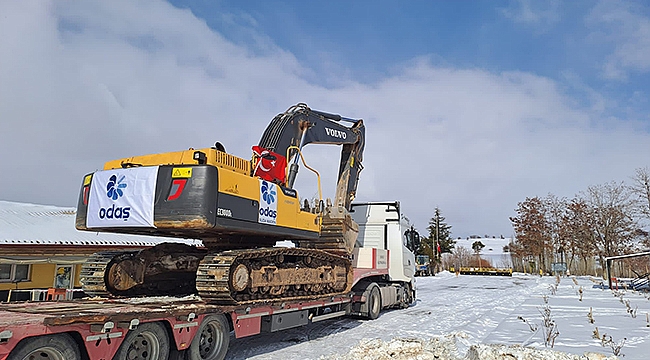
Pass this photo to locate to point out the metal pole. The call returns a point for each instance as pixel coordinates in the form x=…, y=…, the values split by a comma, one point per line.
x=437, y=224
x=609, y=272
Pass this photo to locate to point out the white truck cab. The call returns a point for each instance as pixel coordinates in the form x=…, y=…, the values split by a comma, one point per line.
x=381, y=258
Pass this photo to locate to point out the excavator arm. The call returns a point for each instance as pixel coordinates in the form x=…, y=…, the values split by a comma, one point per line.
x=300, y=125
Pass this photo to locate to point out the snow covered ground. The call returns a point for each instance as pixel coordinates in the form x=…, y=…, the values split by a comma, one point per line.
x=453, y=315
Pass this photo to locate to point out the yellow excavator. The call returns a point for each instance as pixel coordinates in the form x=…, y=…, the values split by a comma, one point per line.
x=239, y=208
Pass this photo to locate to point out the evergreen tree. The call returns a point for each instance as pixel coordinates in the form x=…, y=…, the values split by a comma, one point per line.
x=477, y=246
x=440, y=230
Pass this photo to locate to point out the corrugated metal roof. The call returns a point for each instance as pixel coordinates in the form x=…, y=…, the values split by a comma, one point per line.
x=31, y=224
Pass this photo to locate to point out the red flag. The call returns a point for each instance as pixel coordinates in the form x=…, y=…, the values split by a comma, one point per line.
x=270, y=166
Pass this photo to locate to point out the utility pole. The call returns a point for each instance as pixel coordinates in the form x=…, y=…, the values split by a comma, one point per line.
x=437, y=240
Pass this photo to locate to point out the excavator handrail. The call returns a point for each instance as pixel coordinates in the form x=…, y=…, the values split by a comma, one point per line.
x=320, y=192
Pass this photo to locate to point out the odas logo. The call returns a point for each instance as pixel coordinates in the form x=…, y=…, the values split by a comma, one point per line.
x=268, y=192
x=114, y=187
x=114, y=190
x=268, y=211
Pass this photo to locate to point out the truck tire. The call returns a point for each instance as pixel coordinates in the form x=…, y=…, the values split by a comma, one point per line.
x=407, y=300
x=52, y=347
x=211, y=339
x=374, y=303
x=149, y=341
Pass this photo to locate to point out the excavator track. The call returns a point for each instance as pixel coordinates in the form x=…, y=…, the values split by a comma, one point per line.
x=93, y=270
x=238, y=277
x=165, y=269
x=232, y=277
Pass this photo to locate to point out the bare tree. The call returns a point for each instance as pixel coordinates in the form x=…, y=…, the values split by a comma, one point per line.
x=613, y=226
x=641, y=189
x=461, y=256
x=643, y=237
x=576, y=230
x=532, y=230
x=555, y=211
x=517, y=255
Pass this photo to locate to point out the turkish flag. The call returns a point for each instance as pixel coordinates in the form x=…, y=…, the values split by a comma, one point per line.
x=270, y=166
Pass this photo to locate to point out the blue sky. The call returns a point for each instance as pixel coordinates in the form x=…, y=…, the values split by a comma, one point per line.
x=579, y=44
x=366, y=40
x=469, y=105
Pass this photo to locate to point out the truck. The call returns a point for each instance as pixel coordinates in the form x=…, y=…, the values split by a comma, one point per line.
x=239, y=280
x=423, y=265
x=189, y=327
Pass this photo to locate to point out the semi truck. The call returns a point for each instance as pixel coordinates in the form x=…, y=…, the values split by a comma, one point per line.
x=188, y=327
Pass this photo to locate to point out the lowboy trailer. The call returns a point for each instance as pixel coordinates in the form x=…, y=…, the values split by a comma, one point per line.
x=187, y=328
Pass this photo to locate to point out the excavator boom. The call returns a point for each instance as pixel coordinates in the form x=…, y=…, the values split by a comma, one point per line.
x=300, y=126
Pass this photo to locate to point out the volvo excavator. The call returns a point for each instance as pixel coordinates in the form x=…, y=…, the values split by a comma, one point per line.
x=239, y=208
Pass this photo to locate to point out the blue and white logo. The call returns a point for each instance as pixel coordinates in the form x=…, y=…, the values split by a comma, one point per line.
x=115, y=190
x=268, y=192
x=114, y=187
x=268, y=211
x=122, y=198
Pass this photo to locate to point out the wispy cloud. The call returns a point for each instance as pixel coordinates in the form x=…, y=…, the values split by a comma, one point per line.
x=541, y=14
x=626, y=29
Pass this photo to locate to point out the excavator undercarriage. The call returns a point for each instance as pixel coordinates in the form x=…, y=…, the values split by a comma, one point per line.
x=165, y=269
x=227, y=278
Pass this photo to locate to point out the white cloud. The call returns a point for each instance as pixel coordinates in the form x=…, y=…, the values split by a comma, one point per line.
x=625, y=28
x=538, y=13
x=85, y=83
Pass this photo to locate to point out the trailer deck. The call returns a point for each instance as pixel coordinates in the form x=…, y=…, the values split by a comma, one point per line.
x=97, y=310
x=102, y=324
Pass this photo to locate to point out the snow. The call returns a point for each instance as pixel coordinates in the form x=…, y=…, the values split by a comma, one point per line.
x=475, y=317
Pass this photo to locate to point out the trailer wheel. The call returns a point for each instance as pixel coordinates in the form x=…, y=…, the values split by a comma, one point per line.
x=52, y=347
x=211, y=339
x=149, y=341
x=374, y=303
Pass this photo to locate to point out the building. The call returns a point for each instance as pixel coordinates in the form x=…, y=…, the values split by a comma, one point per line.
x=41, y=249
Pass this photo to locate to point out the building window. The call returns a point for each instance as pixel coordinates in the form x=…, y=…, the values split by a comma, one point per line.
x=14, y=272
